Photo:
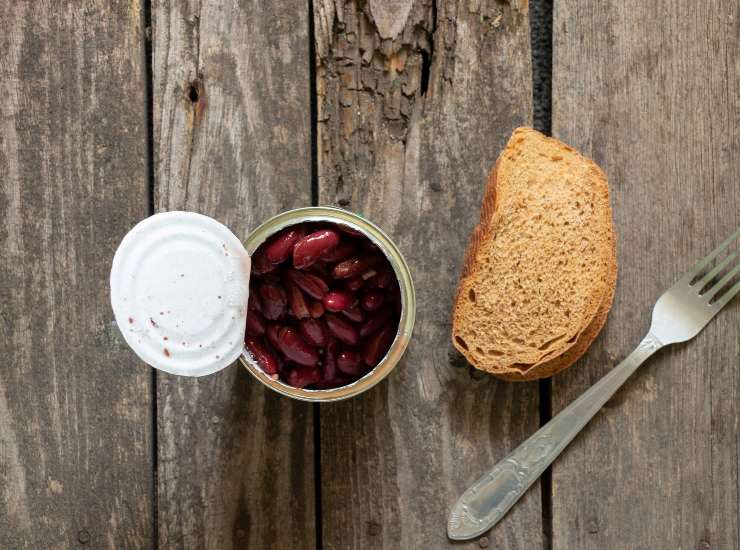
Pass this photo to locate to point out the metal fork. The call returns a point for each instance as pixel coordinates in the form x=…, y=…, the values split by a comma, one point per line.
x=679, y=315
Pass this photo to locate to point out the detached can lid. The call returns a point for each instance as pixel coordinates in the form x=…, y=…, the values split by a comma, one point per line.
x=179, y=286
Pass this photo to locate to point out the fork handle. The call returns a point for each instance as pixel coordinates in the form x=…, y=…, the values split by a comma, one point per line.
x=489, y=498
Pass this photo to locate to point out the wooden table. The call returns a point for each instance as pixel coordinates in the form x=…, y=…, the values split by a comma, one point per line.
x=112, y=111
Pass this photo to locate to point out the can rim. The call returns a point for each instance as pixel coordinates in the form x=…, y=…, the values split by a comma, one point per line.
x=401, y=270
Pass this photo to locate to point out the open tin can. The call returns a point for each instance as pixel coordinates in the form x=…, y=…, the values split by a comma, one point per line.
x=400, y=269
x=179, y=288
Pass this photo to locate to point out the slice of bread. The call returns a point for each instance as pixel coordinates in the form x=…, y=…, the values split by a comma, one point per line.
x=540, y=270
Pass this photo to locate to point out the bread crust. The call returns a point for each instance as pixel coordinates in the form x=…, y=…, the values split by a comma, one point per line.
x=487, y=212
x=565, y=357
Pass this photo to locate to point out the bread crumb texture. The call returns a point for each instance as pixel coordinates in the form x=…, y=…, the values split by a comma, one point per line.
x=540, y=270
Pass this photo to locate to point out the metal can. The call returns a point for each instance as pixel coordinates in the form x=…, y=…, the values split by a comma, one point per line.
x=402, y=273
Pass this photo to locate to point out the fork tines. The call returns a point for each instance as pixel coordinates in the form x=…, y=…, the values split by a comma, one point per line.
x=714, y=277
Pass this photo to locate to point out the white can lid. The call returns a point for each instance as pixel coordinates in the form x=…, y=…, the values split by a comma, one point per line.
x=179, y=286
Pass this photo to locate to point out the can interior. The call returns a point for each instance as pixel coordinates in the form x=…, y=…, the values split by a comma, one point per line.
x=400, y=270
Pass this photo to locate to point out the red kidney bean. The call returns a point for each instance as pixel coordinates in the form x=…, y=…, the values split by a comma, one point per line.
x=264, y=357
x=295, y=348
x=260, y=263
x=302, y=376
x=354, y=314
x=297, y=301
x=316, y=309
x=279, y=247
x=376, y=346
x=253, y=303
x=310, y=248
x=342, y=251
x=375, y=323
x=372, y=300
x=342, y=329
x=350, y=362
x=273, y=300
x=338, y=300
x=354, y=284
x=329, y=368
x=384, y=277
x=313, y=331
x=255, y=324
x=355, y=266
x=349, y=230
x=271, y=332
x=309, y=283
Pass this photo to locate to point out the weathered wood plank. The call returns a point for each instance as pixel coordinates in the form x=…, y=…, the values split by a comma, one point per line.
x=415, y=100
x=75, y=460
x=232, y=140
x=650, y=90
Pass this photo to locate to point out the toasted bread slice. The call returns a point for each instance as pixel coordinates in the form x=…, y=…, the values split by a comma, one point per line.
x=540, y=270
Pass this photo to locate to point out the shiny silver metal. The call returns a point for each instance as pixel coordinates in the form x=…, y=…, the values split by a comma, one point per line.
x=679, y=315
x=408, y=299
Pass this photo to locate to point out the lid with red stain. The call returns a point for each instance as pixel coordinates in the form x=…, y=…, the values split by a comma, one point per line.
x=179, y=286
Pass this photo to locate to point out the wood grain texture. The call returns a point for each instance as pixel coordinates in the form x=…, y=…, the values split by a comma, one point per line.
x=75, y=460
x=415, y=101
x=650, y=90
x=232, y=140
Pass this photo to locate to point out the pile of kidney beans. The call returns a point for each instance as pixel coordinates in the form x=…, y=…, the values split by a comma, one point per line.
x=324, y=305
